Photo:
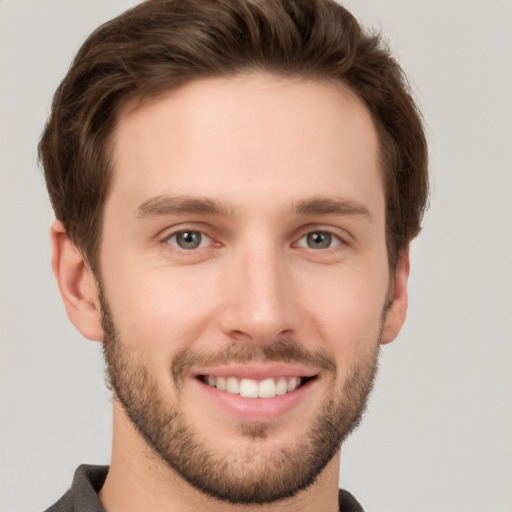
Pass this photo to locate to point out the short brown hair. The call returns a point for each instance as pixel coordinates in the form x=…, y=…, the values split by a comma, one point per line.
x=161, y=44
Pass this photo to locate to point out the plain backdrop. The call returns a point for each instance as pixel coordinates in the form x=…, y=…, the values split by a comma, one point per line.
x=438, y=433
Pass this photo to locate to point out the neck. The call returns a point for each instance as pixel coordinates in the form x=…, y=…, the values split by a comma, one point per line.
x=139, y=479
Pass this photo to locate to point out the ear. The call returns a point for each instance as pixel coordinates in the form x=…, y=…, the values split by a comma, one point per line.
x=397, y=311
x=77, y=284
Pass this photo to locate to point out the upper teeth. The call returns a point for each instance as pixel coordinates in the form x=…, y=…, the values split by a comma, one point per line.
x=250, y=388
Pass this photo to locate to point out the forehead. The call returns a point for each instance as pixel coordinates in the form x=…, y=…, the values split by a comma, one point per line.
x=251, y=136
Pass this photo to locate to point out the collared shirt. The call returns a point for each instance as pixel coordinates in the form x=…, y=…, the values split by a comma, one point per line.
x=88, y=480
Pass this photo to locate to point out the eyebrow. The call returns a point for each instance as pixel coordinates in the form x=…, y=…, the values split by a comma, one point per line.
x=179, y=205
x=182, y=205
x=326, y=206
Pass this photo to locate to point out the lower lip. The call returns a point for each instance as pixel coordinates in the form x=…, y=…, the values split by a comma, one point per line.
x=257, y=409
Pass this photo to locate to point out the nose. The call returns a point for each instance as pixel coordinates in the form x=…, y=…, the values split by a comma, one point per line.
x=259, y=297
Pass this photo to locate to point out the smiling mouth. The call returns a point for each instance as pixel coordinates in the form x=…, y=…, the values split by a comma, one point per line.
x=251, y=388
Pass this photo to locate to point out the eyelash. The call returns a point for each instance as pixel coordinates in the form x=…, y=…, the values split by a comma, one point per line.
x=176, y=234
x=331, y=236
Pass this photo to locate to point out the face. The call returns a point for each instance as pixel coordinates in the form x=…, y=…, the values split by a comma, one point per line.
x=245, y=283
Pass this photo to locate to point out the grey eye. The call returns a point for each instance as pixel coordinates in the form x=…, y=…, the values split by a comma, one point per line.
x=188, y=240
x=319, y=240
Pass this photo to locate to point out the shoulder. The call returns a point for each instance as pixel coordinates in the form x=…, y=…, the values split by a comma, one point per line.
x=65, y=504
x=83, y=494
x=347, y=502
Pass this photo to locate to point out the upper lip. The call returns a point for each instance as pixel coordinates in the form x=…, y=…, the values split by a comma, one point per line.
x=256, y=371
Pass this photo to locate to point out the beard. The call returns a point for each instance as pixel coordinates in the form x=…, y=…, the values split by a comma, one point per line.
x=250, y=475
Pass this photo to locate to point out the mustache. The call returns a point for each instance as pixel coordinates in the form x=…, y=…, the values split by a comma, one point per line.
x=283, y=351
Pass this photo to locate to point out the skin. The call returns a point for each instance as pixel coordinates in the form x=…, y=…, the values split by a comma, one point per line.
x=258, y=145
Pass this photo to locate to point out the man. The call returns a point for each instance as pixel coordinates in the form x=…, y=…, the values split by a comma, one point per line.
x=236, y=183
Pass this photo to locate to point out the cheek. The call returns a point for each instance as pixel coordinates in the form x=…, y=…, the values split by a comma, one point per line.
x=161, y=308
x=346, y=308
x=168, y=309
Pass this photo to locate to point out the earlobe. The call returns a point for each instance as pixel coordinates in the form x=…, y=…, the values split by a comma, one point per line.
x=397, y=311
x=77, y=284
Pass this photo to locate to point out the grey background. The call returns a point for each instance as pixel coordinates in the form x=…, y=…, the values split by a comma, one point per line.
x=438, y=434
